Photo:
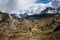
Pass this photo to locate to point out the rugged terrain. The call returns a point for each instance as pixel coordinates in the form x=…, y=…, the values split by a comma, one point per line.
x=43, y=27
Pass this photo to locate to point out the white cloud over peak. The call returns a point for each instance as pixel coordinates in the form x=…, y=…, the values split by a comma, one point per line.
x=56, y=3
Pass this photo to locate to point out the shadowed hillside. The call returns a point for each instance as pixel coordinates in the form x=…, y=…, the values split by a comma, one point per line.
x=34, y=27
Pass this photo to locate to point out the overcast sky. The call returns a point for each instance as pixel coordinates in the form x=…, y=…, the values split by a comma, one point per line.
x=15, y=5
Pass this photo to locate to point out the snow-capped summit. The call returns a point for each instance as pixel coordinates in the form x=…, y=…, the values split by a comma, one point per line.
x=49, y=10
x=31, y=10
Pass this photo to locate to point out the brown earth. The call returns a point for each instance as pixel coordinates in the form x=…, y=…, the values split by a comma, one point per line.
x=18, y=29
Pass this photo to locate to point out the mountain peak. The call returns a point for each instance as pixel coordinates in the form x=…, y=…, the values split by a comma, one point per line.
x=49, y=10
x=31, y=11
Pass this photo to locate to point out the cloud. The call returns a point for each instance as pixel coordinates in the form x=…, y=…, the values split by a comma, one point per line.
x=56, y=3
x=14, y=5
x=25, y=3
x=7, y=5
x=37, y=8
x=3, y=4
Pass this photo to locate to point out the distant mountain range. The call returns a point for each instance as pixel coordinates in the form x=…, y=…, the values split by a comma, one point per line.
x=48, y=10
x=51, y=10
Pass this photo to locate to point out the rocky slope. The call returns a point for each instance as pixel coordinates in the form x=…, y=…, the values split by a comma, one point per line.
x=42, y=28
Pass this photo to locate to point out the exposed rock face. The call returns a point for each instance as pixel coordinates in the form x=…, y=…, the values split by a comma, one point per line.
x=45, y=28
x=3, y=17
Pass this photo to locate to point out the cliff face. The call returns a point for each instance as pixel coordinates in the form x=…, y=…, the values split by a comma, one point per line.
x=46, y=28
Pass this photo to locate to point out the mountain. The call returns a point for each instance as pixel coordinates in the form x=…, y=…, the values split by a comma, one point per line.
x=49, y=10
x=32, y=11
x=58, y=9
x=45, y=13
x=14, y=15
x=3, y=17
x=42, y=27
x=23, y=15
x=19, y=15
x=40, y=16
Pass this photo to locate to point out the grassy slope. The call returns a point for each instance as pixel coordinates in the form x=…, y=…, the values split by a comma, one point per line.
x=42, y=29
